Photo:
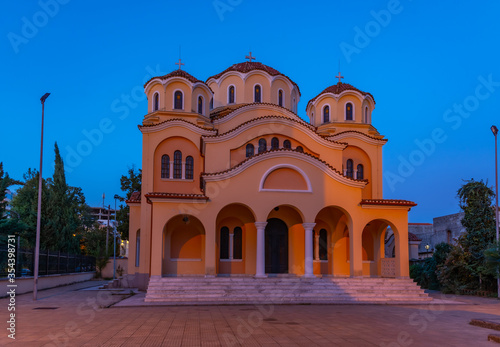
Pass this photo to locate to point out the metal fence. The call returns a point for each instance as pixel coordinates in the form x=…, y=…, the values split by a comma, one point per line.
x=50, y=263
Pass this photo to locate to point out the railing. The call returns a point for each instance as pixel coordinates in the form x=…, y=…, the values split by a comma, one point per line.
x=389, y=267
x=50, y=263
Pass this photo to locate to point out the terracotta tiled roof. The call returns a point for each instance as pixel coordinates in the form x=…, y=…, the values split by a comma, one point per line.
x=176, y=196
x=282, y=150
x=175, y=119
x=135, y=197
x=359, y=132
x=413, y=237
x=250, y=66
x=219, y=111
x=339, y=88
x=388, y=202
x=177, y=73
x=298, y=121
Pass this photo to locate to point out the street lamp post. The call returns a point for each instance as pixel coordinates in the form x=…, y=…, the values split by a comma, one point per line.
x=494, y=130
x=39, y=211
x=114, y=242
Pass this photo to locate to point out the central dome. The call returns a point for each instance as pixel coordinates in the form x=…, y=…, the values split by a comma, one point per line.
x=247, y=66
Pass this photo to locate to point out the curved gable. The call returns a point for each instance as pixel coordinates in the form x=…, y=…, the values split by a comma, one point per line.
x=285, y=178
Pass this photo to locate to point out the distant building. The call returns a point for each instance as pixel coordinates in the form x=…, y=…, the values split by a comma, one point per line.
x=101, y=213
x=445, y=229
x=413, y=245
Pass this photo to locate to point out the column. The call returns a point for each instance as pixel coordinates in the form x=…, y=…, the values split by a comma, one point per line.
x=210, y=247
x=356, y=251
x=316, y=246
x=171, y=169
x=231, y=245
x=308, y=227
x=156, y=247
x=260, y=269
x=183, y=170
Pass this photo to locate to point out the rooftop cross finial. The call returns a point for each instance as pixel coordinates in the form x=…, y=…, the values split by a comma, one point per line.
x=180, y=64
x=339, y=76
x=249, y=57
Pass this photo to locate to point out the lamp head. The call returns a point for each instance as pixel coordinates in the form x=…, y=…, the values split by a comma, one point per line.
x=494, y=130
x=44, y=97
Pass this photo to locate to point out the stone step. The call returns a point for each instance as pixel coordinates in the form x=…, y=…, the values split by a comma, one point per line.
x=282, y=289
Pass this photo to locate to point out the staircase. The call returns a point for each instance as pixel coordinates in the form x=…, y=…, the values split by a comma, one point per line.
x=287, y=289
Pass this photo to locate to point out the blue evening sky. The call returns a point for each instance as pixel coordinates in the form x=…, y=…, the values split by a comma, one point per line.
x=433, y=68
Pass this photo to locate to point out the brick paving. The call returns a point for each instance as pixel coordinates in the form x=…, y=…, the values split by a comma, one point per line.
x=82, y=318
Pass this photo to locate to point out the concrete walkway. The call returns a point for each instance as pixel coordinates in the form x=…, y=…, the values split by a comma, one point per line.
x=81, y=315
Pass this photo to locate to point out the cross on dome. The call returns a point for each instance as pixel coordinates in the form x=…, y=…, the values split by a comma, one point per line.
x=339, y=76
x=180, y=64
x=249, y=57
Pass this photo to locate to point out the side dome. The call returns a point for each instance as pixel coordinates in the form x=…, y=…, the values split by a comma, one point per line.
x=253, y=82
x=341, y=102
x=178, y=91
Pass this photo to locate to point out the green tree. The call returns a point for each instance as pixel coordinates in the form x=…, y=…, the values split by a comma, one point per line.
x=129, y=183
x=64, y=212
x=8, y=226
x=465, y=267
x=65, y=207
x=95, y=245
x=25, y=205
x=426, y=273
x=492, y=257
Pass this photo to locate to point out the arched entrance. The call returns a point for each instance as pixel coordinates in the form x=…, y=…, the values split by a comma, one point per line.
x=276, y=246
x=183, y=246
x=235, y=240
x=335, y=221
x=381, y=249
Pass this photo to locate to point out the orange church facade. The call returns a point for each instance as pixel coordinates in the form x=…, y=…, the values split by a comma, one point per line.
x=234, y=182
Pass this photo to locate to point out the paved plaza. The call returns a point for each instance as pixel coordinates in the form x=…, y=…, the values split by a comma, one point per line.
x=81, y=315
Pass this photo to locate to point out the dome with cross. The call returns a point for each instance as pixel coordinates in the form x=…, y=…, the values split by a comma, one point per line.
x=253, y=82
x=338, y=105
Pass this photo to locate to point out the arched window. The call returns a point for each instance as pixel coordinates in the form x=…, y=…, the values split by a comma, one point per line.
x=300, y=149
x=250, y=150
x=237, y=243
x=230, y=95
x=165, y=166
x=189, y=167
x=257, y=94
x=323, y=245
x=212, y=103
x=294, y=106
x=138, y=248
x=200, y=104
x=360, y=174
x=287, y=144
x=366, y=114
x=178, y=100
x=348, y=111
x=275, y=143
x=224, y=243
x=449, y=239
x=280, y=97
x=156, y=102
x=262, y=145
x=349, y=168
x=326, y=114
x=177, y=164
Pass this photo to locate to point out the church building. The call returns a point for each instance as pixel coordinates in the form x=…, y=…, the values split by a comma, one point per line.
x=236, y=184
